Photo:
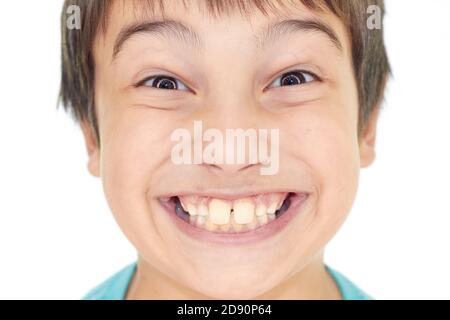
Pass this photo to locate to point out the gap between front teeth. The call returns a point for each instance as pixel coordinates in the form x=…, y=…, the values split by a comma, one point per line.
x=213, y=213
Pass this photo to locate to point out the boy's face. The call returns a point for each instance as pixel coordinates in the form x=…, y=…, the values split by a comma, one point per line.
x=227, y=79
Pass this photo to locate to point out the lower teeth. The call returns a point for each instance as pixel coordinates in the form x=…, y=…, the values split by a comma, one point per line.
x=204, y=223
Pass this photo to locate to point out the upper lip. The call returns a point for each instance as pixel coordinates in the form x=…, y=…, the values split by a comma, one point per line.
x=229, y=194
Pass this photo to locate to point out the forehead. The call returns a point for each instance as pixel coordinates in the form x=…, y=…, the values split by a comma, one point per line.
x=215, y=8
x=250, y=19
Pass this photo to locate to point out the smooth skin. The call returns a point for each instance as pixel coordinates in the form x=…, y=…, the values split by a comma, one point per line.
x=228, y=85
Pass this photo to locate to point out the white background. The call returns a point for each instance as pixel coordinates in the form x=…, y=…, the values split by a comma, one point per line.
x=58, y=238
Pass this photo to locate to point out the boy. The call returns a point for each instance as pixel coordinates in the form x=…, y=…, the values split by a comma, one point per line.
x=315, y=72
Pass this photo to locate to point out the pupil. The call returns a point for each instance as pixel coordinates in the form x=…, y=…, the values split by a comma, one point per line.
x=166, y=83
x=292, y=79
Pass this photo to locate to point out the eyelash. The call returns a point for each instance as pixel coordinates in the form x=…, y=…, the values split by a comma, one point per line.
x=304, y=75
x=143, y=82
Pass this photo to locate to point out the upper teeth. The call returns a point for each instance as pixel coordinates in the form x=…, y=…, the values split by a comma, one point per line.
x=243, y=211
x=219, y=211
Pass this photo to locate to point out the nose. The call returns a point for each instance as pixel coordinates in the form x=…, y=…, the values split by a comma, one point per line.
x=235, y=120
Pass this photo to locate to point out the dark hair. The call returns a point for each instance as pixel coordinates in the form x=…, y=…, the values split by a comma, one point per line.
x=370, y=61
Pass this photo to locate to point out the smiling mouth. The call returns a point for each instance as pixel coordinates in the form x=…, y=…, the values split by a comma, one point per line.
x=240, y=215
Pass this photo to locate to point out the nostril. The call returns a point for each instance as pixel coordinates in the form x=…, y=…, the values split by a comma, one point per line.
x=228, y=169
x=247, y=166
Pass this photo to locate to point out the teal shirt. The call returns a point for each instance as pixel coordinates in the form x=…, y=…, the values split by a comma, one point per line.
x=116, y=287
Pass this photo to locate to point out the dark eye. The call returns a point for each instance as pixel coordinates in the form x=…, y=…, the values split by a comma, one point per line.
x=163, y=82
x=293, y=78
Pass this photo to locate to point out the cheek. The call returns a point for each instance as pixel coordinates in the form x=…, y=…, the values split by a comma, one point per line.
x=136, y=141
x=327, y=142
x=337, y=162
x=134, y=146
x=128, y=153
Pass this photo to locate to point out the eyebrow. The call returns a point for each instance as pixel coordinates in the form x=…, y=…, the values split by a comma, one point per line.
x=177, y=30
x=292, y=26
x=168, y=28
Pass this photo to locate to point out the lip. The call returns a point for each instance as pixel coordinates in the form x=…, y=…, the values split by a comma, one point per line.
x=232, y=239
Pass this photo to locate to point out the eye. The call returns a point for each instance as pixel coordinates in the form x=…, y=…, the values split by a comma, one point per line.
x=162, y=82
x=293, y=78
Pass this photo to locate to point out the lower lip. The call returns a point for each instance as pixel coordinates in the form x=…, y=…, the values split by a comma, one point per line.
x=256, y=235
